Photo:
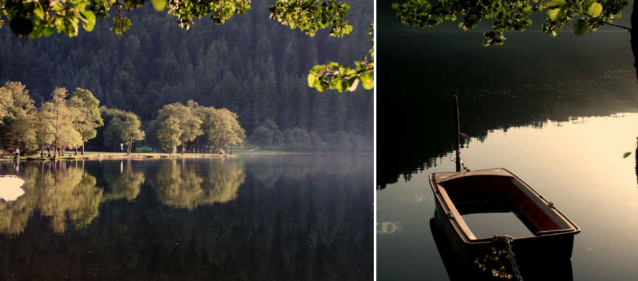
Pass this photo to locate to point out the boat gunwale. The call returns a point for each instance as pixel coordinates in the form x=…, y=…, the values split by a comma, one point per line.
x=574, y=229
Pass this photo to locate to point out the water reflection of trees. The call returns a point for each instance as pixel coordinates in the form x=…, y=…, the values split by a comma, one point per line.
x=180, y=184
x=65, y=194
x=59, y=191
x=123, y=183
x=315, y=226
x=415, y=132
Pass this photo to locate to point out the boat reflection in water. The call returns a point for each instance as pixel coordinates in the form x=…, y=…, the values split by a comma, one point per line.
x=530, y=267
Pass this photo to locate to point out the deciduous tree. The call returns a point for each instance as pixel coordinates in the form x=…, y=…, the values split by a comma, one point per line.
x=131, y=131
x=187, y=122
x=89, y=117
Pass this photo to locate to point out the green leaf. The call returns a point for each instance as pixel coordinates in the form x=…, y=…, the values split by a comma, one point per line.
x=319, y=85
x=553, y=13
x=367, y=80
x=395, y=6
x=159, y=4
x=333, y=65
x=580, y=27
x=47, y=31
x=312, y=77
x=38, y=12
x=344, y=69
x=555, y=4
x=338, y=85
x=317, y=68
x=626, y=154
x=89, y=24
x=595, y=10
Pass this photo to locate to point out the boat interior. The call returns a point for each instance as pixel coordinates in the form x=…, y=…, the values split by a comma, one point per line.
x=499, y=193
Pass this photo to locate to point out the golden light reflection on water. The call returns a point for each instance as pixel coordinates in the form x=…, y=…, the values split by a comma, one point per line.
x=578, y=165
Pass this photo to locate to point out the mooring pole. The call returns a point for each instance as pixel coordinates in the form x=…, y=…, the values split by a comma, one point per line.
x=457, y=133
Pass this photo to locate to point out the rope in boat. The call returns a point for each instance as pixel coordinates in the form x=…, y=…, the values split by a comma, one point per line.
x=508, y=247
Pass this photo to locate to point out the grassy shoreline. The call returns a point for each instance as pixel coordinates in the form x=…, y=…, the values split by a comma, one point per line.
x=100, y=155
x=94, y=155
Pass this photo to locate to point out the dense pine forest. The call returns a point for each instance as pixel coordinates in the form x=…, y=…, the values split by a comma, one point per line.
x=251, y=65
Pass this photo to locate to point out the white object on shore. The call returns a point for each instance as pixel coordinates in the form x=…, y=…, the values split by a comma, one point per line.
x=10, y=187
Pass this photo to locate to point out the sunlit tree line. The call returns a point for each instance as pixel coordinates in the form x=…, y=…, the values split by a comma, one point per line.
x=69, y=120
x=198, y=128
x=64, y=122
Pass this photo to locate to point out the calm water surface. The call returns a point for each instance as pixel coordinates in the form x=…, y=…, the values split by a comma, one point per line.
x=577, y=164
x=298, y=217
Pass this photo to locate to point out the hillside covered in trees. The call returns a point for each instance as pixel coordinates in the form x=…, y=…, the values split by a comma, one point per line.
x=251, y=65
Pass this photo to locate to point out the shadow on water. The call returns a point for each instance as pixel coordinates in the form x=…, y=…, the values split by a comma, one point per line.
x=275, y=217
x=531, y=268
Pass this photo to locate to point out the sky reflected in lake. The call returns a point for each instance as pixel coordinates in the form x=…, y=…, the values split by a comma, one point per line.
x=577, y=164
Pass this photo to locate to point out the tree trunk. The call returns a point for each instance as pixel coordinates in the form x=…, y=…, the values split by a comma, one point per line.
x=128, y=148
x=82, y=148
x=42, y=151
x=76, y=151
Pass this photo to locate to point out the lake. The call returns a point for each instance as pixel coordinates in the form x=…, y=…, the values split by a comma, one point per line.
x=577, y=164
x=253, y=217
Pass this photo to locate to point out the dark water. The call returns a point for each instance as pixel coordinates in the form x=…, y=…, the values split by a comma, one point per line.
x=293, y=217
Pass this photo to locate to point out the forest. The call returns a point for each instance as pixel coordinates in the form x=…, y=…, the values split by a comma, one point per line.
x=251, y=65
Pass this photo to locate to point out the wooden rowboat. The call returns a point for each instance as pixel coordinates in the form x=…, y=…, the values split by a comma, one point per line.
x=498, y=190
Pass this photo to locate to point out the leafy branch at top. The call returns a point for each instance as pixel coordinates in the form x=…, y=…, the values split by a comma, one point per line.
x=35, y=18
x=512, y=14
x=312, y=15
x=342, y=77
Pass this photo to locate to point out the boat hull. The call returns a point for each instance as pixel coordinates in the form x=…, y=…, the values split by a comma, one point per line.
x=556, y=247
x=461, y=269
x=553, y=237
